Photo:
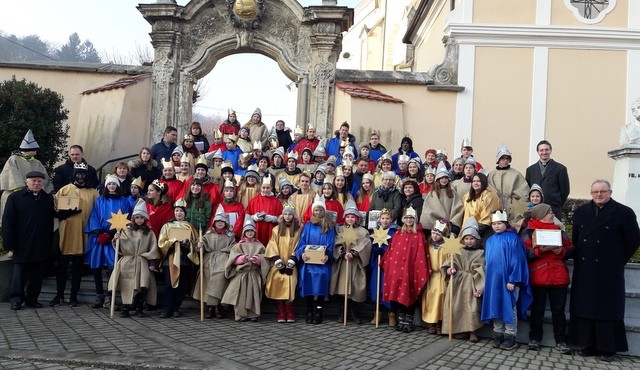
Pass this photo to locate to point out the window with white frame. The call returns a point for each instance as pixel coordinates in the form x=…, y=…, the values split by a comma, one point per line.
x=590, y=11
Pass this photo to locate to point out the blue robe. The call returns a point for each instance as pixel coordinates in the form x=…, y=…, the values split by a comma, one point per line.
x=313, y=280
x=410, y=154
x=232, y=156
x=379, y=250
x=97, y=255
x=506, y=262
x=333, y=148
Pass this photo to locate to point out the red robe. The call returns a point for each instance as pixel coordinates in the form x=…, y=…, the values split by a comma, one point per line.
x=406, y=267
x=332, y=205
x=235, y=207
x=304, y=144
x=210, y=188
x=271, y=206
x=365, y=203
x=175, y=191
x=214, y=147
x=158, y=216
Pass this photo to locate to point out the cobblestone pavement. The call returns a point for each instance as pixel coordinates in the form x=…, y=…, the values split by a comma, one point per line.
x=86, y=338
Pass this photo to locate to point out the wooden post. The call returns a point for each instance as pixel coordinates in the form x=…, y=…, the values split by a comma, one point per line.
x=450, y=299
x=201, y=277
x=378, y=295
x=346, y=291
x=115, y=273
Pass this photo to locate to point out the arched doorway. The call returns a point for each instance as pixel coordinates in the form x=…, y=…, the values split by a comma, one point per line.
x=189, y=40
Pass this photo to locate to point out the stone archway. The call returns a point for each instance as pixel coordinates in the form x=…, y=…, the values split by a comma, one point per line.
x=189, y=40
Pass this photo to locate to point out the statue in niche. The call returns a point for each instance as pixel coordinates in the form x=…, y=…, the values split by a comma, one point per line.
x=630, y=132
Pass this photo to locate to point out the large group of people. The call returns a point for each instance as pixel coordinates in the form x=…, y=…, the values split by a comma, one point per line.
x=268, y=214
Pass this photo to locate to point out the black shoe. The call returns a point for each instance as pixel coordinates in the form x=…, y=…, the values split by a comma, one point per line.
x=563, y=348
x=317, y=317
x=15, y=306
x=177, y=314
x=534, y=345
x=607, y=356
x=509, y=342
x=497, y=340
x=253, y=319
x=124, y=312
x=56, y=301
x=73, y=302
x=408, y=324
x=402, y=321
x=35, y=304
x=99, y=301
x=165, y=315
x=588, y=352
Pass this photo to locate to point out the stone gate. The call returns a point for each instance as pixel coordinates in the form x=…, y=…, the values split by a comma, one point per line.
x=189, y=40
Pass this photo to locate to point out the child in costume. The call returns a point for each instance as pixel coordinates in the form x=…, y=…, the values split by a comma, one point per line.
x=467, y=275
x=549, y=278
x=433, y=297
x=134, y=280
x=100, y=253
x=283, y=275
x=313, y=279
x=357, y=255
x=232, y=208
x=217, y=243
x=506, y=292
x=246, y=270
x=378, y=249
x=406, y=270
x=178, y=258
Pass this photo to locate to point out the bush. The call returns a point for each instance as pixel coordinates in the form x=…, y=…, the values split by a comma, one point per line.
x=25, y=105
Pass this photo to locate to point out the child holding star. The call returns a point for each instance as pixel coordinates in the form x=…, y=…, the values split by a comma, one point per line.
x=406, y=267
x=380, y=239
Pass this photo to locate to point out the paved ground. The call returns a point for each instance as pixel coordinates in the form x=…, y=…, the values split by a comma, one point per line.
x=86, y=338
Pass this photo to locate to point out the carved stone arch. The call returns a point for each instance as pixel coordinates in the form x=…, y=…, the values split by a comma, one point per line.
x=189, y=40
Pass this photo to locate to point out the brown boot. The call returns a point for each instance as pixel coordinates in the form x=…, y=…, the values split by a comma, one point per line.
x=431, y=328
x=439, y=328
x=392, y=319
x=218, y=312
x=210, y=312
x=373, y=321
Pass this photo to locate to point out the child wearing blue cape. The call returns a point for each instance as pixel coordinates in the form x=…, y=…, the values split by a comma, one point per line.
x=378, y=249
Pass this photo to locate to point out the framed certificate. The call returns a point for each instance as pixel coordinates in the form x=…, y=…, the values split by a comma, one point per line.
x=66, y=202
x=552, y=238
x=315, y=253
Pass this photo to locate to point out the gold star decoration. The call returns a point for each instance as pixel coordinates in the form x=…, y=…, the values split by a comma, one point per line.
x=380, y=236
x=518, y=207
x=349, y=236
x=118, y=220
x=451, y=245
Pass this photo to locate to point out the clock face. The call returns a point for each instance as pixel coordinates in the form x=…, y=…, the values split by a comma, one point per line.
x=590, y=9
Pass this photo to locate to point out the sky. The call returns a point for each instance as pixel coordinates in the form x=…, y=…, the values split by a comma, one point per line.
x=117, y=29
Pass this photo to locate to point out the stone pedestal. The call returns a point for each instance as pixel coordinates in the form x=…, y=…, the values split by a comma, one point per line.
x=626, y=176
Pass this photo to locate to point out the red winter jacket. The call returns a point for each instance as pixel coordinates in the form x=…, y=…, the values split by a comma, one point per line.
x=547, y=269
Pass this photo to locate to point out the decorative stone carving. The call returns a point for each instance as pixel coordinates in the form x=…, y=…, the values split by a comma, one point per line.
x=445, y=74
x=246, y=14
x=630, y=132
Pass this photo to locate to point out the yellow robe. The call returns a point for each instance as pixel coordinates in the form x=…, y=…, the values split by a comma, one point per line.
x=281, y=286
x=247, y=193
x=172, y=252
x=433, y=297
x=483, y=207
x=73, y=240
x=302, y=201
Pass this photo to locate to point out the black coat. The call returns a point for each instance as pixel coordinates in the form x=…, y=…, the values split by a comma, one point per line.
x=554, y=184
x=604, y=244
x=27, y=226
x=63, y=175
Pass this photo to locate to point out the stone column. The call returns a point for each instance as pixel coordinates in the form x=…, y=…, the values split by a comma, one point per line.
x=626, y=176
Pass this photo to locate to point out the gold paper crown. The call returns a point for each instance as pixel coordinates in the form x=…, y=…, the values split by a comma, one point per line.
x=266, y=180
x=292, y=155
x=403, y=158
x=385, y=210
x=442, y=151
x=257, y=145
x=188, y=137
x=226, y=164
x=217, y=134
x=180, y=203
x=185, y=158
x=344, y=143
x=339, y=172
x=138, y=182
x=166, y=164
x=246, y=156
x=111, y=178
x=466, y=143
x=410, y=212
x=233, y=138
x=368, y=176
x=231, y=111
x=81, y=166
x=430, y=170
x=346, y=163
x=499, y=216
x=229, y=184
x=289, y=206
x=202, y=161
x=386, y=155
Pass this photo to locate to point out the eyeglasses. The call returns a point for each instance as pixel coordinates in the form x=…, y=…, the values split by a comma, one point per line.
x=596, y=192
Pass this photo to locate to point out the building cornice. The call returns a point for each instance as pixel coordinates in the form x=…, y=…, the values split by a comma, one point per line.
x=544, y=36
x=420, y=15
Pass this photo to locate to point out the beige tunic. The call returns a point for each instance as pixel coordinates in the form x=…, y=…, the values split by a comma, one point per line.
x=302, y=201
x=246, y=193
x=216, y=255
x=469, y=278
x=73, y=240
x=245, y=281
x=510, y=186
x=281, y=286
x=357, y=266
x=132, y=272
x=433, y=297
x=461, y=188
x=436, y=208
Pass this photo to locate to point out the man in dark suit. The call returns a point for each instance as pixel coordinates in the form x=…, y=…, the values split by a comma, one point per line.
x=605, y=235
x=551, y=176
x=27, y=229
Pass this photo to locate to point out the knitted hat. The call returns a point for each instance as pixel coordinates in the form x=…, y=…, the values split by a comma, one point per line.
x=111, y=179
x=540, y=210
x=140, y=209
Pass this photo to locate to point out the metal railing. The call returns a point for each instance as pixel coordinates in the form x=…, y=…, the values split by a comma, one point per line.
x=99, y=169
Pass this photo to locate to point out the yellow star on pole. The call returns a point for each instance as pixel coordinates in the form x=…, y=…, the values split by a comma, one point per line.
x=118, y=220
x=380, y=236
x=349, y=235
x=451, y=245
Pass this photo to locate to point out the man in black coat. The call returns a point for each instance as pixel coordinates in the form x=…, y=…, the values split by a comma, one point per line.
x=27, y=230
x=605, y=235
x=63, y=174
x=552, y=177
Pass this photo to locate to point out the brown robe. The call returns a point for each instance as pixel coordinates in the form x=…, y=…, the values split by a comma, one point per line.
x=357, y=266
x=245, y=281
x=216, y=255
x=132, y=271
x=436, y=208
x=510, y=186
